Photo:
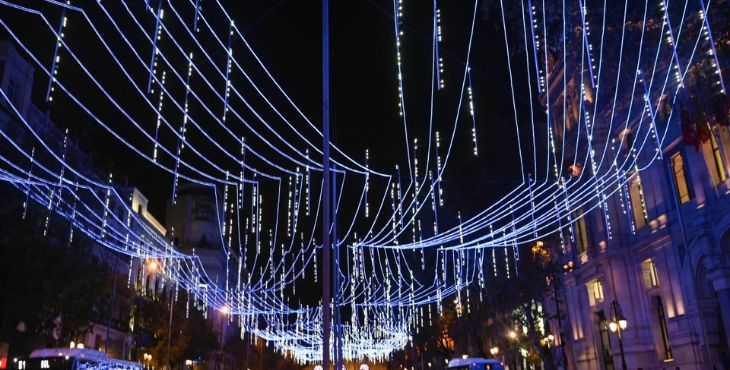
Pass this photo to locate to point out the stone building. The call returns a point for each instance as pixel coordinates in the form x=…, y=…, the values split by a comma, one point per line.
x=659, y=246
x=193, y=221
x=113, y=331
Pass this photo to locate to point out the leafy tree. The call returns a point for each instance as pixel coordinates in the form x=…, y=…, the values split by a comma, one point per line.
x=51, y=290
x=192, y=336
x=507, y=304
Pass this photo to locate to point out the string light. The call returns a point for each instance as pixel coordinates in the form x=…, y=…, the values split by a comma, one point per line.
x=387, y=316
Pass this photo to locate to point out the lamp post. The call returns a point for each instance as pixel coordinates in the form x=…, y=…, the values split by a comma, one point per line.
x=512, y=359
x=152, y=266
x=225, y=310
x=617, y=325
x=169, y=328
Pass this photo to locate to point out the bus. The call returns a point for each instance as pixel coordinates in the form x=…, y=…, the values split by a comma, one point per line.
x=474, y=363
x=72, y=359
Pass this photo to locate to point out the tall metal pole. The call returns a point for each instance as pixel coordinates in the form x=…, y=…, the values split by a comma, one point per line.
x=621, y=348
x=616, y=316
x=112, y=301
x=336, y=277
x=169, y=329
x=326, y=318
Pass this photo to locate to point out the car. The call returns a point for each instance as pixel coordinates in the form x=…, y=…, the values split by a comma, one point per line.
x=474, y=363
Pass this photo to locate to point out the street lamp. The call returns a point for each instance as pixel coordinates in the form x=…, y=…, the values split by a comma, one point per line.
x=147, y=359
x=617, y=325
x=513, y=347
x=494, y=351
x=548, y=340
x=153, y=265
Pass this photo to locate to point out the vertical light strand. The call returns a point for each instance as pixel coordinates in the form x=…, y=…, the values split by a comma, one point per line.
x=471, y=112
x=196, y=19
x=56, y=57
x=670, y=41
x=494, y=251
x=394, y=219
x=399, y=199
x=707, y=31
x=415, y=189
x=52, y=193
x=107, y=200
x=367, y=183
x=289, y=208
x=397, y=23
x=159, y=116
x=72, y=219
x=242, y=176
x=532, y=14
x=155, y=40
x=307, y=185
x=437, y=46
x=438, y=171
x=183, y=129
x=433, y=204
x=28, y=182
x=155, y=50
x=588, y=47
x=62, y=172
x=229, y=56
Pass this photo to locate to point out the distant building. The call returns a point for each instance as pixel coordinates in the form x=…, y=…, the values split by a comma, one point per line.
x=194, y=222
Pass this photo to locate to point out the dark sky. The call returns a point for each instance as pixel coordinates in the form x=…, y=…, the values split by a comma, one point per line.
x=286, y=35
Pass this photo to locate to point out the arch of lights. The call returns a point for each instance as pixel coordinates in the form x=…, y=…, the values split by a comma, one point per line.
x=189, y=98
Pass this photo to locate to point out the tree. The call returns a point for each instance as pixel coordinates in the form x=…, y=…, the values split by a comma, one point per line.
x=52, y=290
x=507, y=304
x=192, y=335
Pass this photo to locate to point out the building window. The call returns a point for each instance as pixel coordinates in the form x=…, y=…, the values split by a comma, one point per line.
x=716, y=159
x=663, y=328
x=680, y=178
x=723, y=141
x=203, y=209
x=581, y=232
x=713, y=159
x=650, y=275
x=597, y=291
x=638, y=204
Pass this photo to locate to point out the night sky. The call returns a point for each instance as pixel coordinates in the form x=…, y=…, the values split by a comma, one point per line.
x=286, y=36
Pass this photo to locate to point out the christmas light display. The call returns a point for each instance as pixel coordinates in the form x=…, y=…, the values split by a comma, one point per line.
x=229, y=126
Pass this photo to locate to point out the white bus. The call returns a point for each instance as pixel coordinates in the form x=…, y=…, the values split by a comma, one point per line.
x=72, y=359
x=474, y=363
